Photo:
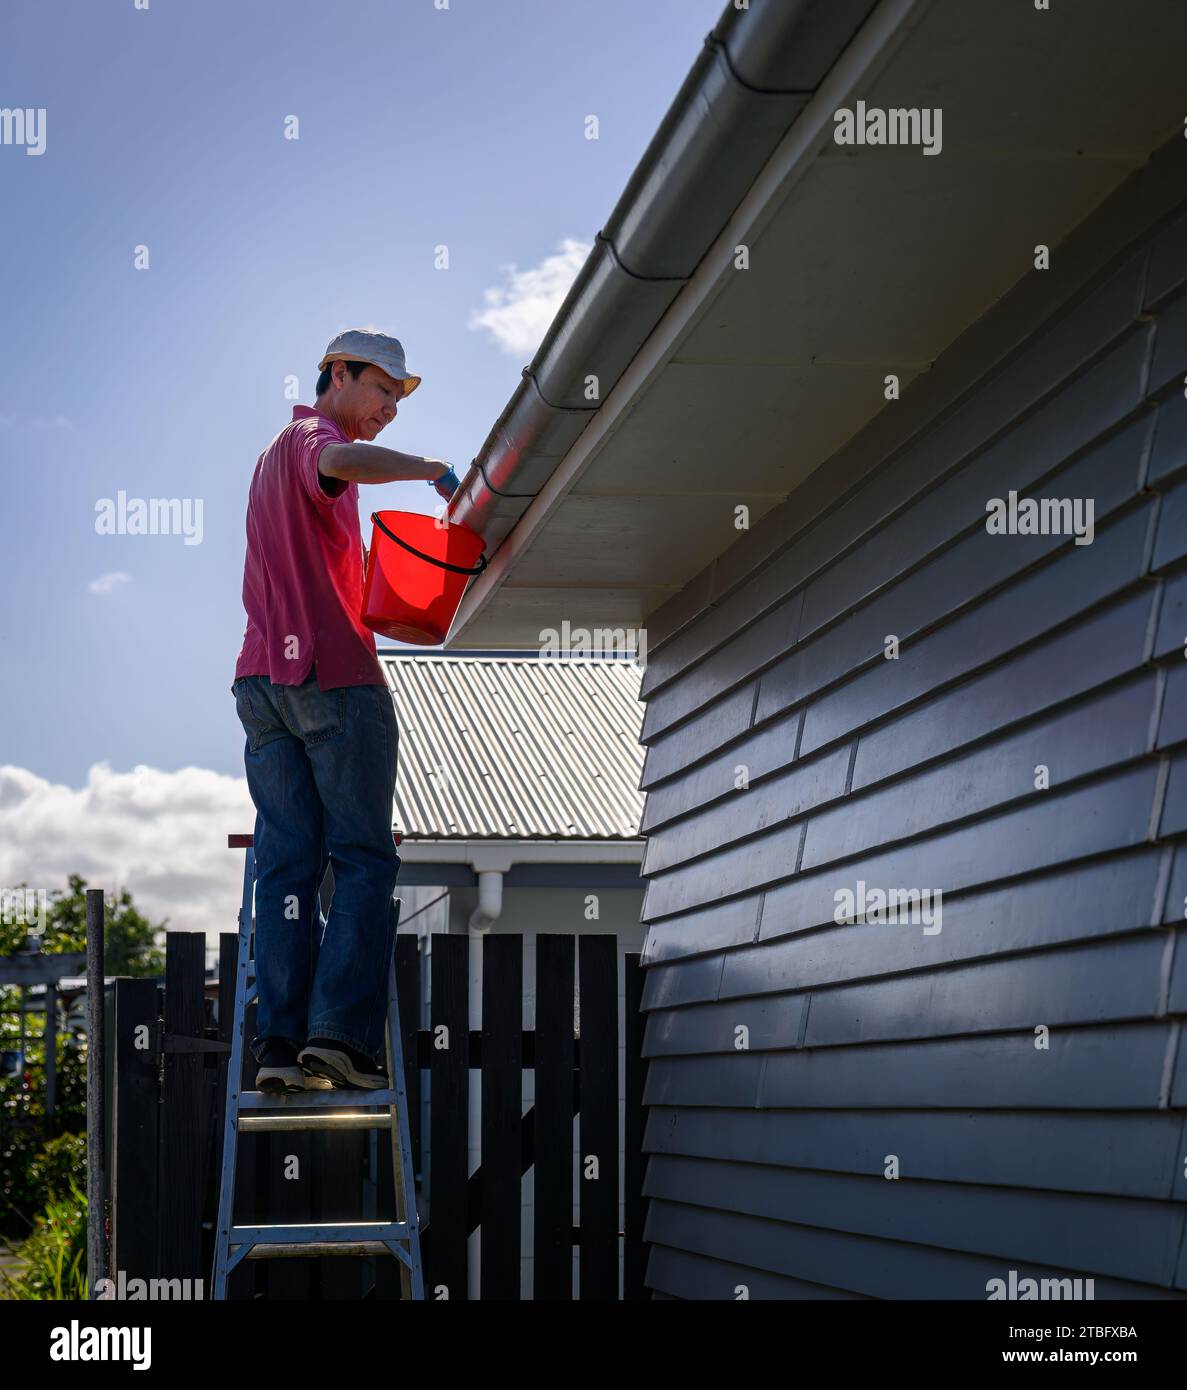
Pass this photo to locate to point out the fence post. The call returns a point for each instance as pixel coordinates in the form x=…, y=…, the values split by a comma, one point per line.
x=96, y=1158
x=50, y=1047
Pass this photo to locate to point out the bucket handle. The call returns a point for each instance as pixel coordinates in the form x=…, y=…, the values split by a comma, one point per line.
x=420, y=555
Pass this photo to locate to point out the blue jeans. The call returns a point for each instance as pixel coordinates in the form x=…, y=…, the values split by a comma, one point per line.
x=321, y=769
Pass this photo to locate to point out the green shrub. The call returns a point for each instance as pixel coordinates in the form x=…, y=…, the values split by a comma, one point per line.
x=55, y=1255
x=58, y=1161
x=29, y=1163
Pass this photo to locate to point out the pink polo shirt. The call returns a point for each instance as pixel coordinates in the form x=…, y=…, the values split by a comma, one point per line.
x=303, y=571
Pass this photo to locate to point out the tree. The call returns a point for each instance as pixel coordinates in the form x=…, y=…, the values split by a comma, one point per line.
x=129, y=948
x=129, y=939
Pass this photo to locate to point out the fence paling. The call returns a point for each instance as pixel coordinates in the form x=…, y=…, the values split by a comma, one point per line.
x=136, y=1098
x=556, y=1100
x=502, y=1108
x=184, y=1110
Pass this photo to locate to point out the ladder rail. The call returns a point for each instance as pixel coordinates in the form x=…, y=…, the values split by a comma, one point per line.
x=411, y=1272
x=226, y=1189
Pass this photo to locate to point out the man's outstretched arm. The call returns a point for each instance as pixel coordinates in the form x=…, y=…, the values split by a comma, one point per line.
x=372, y=463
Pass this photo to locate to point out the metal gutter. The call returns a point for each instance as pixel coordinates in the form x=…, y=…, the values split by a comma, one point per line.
x=757, y=70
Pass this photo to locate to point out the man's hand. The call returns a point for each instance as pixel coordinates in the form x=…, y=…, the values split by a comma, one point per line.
x=447, y=484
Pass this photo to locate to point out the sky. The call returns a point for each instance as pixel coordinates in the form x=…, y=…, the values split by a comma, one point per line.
x=221, y=187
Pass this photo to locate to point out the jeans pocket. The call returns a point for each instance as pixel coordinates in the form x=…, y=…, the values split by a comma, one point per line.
x=313, y=714
x=253, y=726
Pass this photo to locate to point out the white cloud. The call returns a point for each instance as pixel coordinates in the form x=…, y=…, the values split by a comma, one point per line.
x=518, y=314
x=161, y=835
x=107, y=582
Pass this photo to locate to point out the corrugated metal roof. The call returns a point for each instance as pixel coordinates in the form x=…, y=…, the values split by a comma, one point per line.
x=516, y=747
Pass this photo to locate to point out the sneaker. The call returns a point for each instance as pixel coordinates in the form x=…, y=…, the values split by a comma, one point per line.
x=280, y=1072
x=341, y=1064
x=278, y=1067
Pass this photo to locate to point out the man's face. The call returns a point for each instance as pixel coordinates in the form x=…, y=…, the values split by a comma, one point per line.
x=367, y=405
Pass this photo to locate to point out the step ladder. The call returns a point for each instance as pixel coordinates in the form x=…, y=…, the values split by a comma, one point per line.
x=340, y=1109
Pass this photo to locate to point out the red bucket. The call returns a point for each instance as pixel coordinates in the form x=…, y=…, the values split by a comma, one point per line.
x=417, y=572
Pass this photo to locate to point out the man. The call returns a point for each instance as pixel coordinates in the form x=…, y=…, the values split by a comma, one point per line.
x=320, y=725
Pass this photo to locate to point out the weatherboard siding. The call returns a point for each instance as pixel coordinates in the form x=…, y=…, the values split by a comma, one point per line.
x=1062, y=907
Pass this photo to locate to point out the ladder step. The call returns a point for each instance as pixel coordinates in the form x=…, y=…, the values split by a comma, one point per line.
x=318, y=1247
x=337, y=1099
x=330, y=1233
x=351, y=1119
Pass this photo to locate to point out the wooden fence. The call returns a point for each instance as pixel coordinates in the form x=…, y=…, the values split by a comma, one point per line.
x=171, y=1049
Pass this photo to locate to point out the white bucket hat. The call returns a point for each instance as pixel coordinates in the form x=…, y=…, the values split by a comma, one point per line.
x=357, y=345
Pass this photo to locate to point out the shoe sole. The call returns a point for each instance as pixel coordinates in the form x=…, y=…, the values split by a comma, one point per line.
x=288, y=1081
x=280, y=1079
x=336, y=1067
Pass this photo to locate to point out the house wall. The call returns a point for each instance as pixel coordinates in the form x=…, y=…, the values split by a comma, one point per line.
x=1025, y=1065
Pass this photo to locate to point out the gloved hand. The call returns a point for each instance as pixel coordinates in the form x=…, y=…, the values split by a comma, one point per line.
x=447, y=484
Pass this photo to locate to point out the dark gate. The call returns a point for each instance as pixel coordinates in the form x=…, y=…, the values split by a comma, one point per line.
x=171, y=1050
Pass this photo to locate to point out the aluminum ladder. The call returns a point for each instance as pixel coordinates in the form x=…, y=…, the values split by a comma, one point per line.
x=342, y=1109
